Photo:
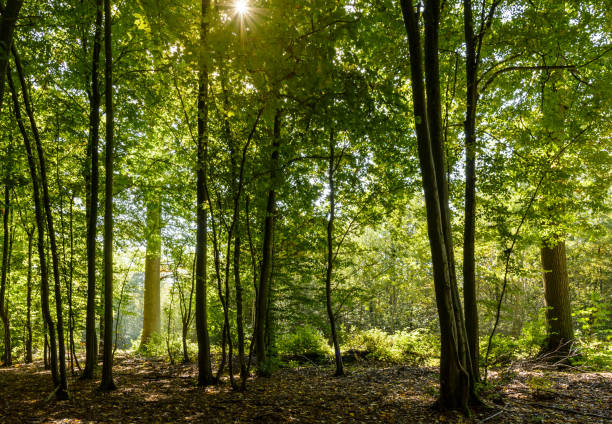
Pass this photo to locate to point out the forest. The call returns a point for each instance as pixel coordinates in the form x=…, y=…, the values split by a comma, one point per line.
x=317, y=211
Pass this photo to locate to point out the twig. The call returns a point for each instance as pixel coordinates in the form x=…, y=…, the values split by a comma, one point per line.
x=501, y=411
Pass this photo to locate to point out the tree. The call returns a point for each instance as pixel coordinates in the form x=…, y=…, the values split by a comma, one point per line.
x=8, y=20
x=151, y=319
x=92, y=182
x=4, y=309
x=455, y=368
x=205, y=373
x=107, y=382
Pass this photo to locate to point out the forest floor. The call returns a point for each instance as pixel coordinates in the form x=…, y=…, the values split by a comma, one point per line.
x=152, y=391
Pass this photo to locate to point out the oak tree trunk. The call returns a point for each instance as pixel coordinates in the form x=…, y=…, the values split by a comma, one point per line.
x=559, y=328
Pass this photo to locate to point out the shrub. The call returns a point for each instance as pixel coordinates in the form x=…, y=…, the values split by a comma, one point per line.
x=414, y=347
x=306, y=342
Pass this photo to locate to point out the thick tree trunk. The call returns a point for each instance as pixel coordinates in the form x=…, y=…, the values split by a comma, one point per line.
x=107, y=382
x=454, y=370
x=261, y=313
x=560, y=331
x=330, y=256
x=151, y=320
x=92, y=181
x=469, y=262
x=205, y=377
x=8, y=21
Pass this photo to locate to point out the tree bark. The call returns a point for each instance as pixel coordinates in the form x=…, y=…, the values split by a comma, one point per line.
x=107, y=382
x=261, y=313
x=151, y=320
x=8, y=21
x=330, y=255
x=560, y=331
x=454, y=372
x=92, y=181
x=469, y=262
x=205, y=377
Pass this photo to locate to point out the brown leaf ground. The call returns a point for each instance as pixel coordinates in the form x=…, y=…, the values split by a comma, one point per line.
x=154, y=391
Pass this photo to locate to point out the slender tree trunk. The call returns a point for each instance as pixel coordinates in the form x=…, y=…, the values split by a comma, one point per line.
x=49, y=325
x=107, y=382
x=62, y=392
x=330, y=255
x=560, y=331
x=8, y=21
x=151, y=320
x=28, y=357
x=92, y=181
x=237, y=175
x=70, y=286
x=5, y=264
x=205, y=377
x=455, y=377
x=261, y=312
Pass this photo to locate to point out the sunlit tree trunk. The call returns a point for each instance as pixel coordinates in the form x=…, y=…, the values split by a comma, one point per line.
x=151, y=320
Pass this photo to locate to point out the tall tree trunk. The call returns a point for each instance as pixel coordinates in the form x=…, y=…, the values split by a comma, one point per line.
x=62, y=392
x=5, y=264
x=49, y=325
x=205, y=377
x=454, y=370
x=71, y=322
x=8, y=21
x=330, y=255
x=560, y=331
x=261, y=312
x=469, y=262
x=151, y=320
x=92, y=181
x=28, y=357
x=237, y=176
x=107, y=382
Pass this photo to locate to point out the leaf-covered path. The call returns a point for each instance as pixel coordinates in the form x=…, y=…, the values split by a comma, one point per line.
x=153, y=391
